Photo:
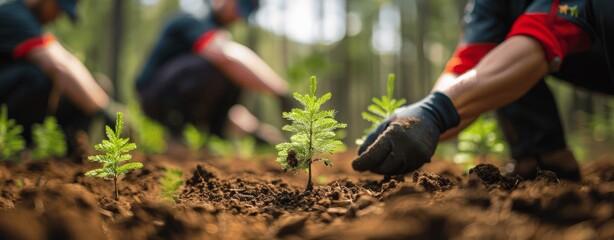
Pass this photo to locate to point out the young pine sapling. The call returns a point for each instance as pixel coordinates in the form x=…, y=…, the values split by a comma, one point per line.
x=49, y=140
x=11, y=141
x=194, y=139
x=478, y=140
x=115, y=149
x=380, y=109
x=170, y=183
x=313, y=132
x=150, y=134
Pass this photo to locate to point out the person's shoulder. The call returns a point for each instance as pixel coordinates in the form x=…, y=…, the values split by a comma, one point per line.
x=14, y=13
x=187, y=22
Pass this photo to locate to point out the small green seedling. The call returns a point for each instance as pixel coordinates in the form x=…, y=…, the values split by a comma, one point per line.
x=11, y=141
x=170, y=183
x=194, y=139
x=380, y=109
x=478, y=140
x=49, y=140
x=246, y=147
x=19, y=183
x=220, y=147
x=313, y=132
x=150, y=134
x=115, y=150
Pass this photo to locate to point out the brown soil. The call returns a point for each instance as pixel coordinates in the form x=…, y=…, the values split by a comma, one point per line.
x=253, y=199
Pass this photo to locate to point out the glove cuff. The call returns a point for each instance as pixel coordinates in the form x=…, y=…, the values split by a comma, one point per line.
x=443, y=110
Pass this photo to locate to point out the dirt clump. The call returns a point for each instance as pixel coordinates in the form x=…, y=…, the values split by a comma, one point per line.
x=431, y=182
x=490, y=176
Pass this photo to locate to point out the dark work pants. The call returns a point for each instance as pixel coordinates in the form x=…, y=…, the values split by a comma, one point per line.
x=532, y=125
x=25, y=89
x=189, y=89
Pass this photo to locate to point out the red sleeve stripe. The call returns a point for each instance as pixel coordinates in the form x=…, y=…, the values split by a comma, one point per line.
x=558, y=39
x=202, y=41
x=28, y=45
x=467, y=56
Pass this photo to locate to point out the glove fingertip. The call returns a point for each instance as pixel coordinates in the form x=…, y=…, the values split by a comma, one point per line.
x=373, y=156
x=358, y=166
x=372, y=136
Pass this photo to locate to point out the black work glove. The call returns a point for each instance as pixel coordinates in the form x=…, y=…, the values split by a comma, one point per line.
x=109, y=115
x=286, y=102
x=407, y=139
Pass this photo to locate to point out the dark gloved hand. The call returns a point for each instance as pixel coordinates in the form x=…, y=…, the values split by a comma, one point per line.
x=109, y=115
x=407, y=139
x=286, y=102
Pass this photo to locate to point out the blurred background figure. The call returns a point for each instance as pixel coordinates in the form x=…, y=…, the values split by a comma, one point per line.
x=196, y=72
x=351, y=46
x=38, y=76
x=506, y=51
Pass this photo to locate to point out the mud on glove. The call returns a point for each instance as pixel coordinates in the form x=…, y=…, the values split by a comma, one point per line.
x=407, y=139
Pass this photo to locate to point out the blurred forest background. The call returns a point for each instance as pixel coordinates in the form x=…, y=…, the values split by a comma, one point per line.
x=351, y=46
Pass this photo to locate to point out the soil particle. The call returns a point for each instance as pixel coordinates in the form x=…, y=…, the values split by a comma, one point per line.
x=291, y=225
x=431, y=182
x=553, y=203
x=491, y=176
x=406, y=122
x=487, y=172
x=364, y=202
x=6, y=204
x=546, y=176
x=602, y=171
x=402, y=190
x=60, y=207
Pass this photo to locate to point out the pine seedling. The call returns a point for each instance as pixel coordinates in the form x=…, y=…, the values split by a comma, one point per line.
x=115, y=153
x=150, y=134
x=478, y=140
x=11, y=141
x=220, y=147
x=194, y=139
x=170, y=183
x=313, y=132
x=381, y=109
x=49, y=140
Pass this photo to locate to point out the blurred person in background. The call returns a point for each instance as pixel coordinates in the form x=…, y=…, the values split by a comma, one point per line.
x=506, y=50
x=38, y=77
x=196, y=72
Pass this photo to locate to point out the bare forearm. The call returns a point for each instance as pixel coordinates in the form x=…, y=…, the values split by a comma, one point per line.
x=80, y=87
x=71, y=77
x=247, y=69
x=504, y=75
x=444, y=81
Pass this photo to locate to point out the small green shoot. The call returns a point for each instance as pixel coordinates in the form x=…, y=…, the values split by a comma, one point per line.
x=19, y=183
x=219, y=147
x=150, y=134
x=170, y=183
x=313, y=132
x=246, y=147
x=478, y=140
x=380, y=109
x=194, y=139
x=11, y=141
x=115, y=153
x=49, y=140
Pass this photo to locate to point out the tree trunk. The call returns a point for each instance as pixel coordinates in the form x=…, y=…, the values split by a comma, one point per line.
x=116, y=189
x=116, y=44
x=309, y=182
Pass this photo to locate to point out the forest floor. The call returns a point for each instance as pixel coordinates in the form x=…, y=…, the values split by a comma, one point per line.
x=254, y=199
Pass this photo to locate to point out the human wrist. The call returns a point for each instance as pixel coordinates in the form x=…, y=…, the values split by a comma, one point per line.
x=441, y=108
